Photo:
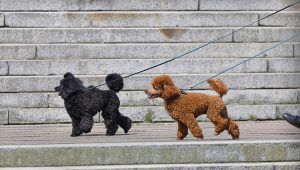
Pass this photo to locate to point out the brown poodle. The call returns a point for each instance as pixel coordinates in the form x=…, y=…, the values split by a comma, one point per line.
x=185, y=108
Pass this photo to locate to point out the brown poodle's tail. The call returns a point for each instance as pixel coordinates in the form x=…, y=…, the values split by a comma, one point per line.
x=219, y=86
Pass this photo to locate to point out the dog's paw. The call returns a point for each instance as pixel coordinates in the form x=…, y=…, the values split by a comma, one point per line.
x=74, y=135
x=179, y=138
x=109, y=134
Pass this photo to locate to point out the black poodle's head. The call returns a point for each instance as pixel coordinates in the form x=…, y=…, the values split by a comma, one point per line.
x=69, y=85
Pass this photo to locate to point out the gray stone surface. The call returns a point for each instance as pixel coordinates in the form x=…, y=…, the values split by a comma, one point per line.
x=142, y=82
x=158, y=50
x=17, y=52
x=293, y=109
x=90, y=67
x=1, y=19
x=297, y=50
x=3, y=116
x=284, y=65
x=244, y=97
x=262, y=131
x=140, y=114
x=61, y=5
x=40, y=115
x=267, y=34
x=22, y=100
x=291, y=19
x=3, y=68
x=111, y=35
x=150, y=153
x=128, y=19
x=210, y=166
x=255, y=5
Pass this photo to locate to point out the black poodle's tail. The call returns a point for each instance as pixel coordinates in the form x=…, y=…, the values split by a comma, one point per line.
x=114, y=82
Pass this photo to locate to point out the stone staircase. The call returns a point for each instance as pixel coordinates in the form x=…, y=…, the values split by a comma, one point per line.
x=40, y=40
x=43, y=39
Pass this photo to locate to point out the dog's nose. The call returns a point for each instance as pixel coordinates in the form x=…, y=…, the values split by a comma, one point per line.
x=146, y=91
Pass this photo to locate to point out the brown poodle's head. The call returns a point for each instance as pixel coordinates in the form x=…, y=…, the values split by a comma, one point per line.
x=163, y=87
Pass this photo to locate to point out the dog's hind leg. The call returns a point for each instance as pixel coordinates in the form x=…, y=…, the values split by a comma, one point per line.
x=218, y=116
x=86, y=124
x=124, y=122
x=75, y=127
x=182, y=131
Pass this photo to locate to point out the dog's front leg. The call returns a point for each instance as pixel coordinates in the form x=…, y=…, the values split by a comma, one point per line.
x=190, y=121
x=182, y=131
x=76, y=128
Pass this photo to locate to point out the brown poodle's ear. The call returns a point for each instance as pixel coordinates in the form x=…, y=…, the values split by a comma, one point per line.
x=170, y=92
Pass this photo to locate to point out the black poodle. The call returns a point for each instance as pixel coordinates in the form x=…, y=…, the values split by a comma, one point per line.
x=82, y=103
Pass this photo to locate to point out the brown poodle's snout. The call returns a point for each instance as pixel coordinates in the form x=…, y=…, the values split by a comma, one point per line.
x=152, y=93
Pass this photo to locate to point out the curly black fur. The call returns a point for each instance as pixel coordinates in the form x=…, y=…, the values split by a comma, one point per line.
x=83, y=103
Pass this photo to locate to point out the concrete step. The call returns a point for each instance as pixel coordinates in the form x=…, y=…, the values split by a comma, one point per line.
x=146, y=19
x=260, y=146
x=138, y=98
x=145, y=113
x=71, y=5
x=211, y=166
x=142, y=51
x=199, y=66
x=142, y=82
x=247, y=5
x=149, y=153
x=137, y=35
x=188, y=66
x=97, y=5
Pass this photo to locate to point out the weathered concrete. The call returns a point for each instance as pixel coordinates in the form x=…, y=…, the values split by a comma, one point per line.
x=210, y=166
x=8, y=100
x=3, y=68
x=244, y=97
x=290, y=65
x=3, y=116
x=61, y=5
x=40, y=115
x=266, y=34
x=291, y=19
x=150, y=153
x=255, y=5
x=17, y=52
x=158, y=50
x=141, y=132
x=291, y=108
x=128, y=19
x=149, y=113
x=297, y=50
x=1, y=19
x=142, y=82
x=90, y=67
x=111, y=35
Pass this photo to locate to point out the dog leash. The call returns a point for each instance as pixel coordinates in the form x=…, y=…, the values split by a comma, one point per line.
x=202, y=46
x=244, y=61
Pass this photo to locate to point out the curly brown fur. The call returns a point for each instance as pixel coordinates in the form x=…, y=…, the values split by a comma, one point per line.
x=185, y=108
x=83, y=103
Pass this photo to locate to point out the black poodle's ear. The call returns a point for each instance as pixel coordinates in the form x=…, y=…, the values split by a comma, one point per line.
x=68, y=75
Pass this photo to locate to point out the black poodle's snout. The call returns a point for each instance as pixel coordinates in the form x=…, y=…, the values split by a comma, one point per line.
x=57, y=88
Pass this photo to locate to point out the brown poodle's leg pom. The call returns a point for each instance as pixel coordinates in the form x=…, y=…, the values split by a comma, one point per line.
x=233, y=130
x=182, y=131
x=190, y=121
